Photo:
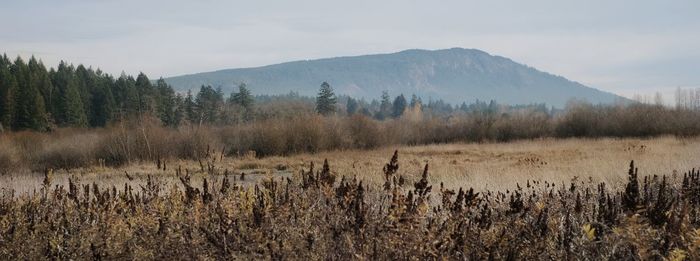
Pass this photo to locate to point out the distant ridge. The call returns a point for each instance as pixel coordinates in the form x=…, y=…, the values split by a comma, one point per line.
x=454, y=75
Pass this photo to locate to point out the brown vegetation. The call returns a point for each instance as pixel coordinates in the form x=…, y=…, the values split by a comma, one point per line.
x=145, y=140
x=321, y=214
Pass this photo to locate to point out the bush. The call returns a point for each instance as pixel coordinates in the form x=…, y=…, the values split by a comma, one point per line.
x=9, y=158
x=73, y=150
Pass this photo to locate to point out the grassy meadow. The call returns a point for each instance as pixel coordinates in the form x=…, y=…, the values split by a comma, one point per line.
x=495, y=166
x=575, y=199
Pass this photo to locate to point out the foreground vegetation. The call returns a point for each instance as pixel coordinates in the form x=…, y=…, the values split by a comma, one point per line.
x=319, y=214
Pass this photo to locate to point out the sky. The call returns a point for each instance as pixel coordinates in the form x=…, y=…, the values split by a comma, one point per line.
x=625, y=47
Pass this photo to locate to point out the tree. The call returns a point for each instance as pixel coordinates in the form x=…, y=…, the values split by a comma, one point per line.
x=352, y=106
x=190, y=108
x=103, y=104
x=127, y=96
x=72, y=107
x=384, y=107
x=34, y=98
x=399, y=106
x=464, y=107
x=240, y=105
x=179, y=114
x=167, y=104
x=146, y=95
x=415, y=101
x=8, y=88
x=68, y=107
x=41, y=81
x=243, y=97
x=326, y=100
x=29, y=111
x=209, y=104
x=86, y=83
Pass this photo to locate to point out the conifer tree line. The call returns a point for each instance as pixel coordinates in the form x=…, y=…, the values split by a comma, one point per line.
x=33, y=97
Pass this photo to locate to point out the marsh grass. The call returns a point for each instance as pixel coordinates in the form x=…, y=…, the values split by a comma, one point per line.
x=320, y=213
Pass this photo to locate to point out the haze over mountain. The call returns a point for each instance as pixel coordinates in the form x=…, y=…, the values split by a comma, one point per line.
x=454, y=75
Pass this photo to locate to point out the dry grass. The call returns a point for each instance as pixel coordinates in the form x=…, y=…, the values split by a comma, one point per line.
x=495, y=166
x=320, y=213
x=502, y=165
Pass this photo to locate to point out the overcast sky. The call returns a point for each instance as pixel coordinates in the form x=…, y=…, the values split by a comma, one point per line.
x=625, y=47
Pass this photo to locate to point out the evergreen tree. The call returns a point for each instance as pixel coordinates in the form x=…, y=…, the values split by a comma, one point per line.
x=190, y=109
x=384, y=107
x=86, y=82
x=209, y=104
x=326, y=100
x=243, y=97
x=68, y=107
x=127, y=97
x=72, y=106
x=8, y=88
x=352, y=106
x=41, y=81
x=146, y=95
x=103, y=104
x=366, y=112
x=415, y=101
x=180, y=112
x=464, y=107
x=34, y=98
x=167, y=104
x=399, y=106
x=29, y=111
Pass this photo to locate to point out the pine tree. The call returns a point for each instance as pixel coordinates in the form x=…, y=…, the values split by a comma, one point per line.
x=85, y=82
x=8, y=88
x=41, y=81
x=352, y=106
x=326, y=100
x=384, y=107
x=179, y=114
x=72, y=106
x=399, y=106
x=68, y=106
x=146, y=95
x=209, y=103
x=127, y=97
x=167, y=104
x=464, y=107
x=103, y=104
x=29, y=111
x=190, y=109
x=34, y=98
x=415, y=101
x=243, y=97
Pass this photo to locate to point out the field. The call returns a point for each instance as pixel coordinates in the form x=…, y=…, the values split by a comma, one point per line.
x=494, y=166
x=535, y=199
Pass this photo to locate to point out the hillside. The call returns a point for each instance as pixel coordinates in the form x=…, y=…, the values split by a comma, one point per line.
x=455, y=75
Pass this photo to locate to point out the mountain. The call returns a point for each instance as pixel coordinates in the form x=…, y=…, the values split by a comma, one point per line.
x=454, y=75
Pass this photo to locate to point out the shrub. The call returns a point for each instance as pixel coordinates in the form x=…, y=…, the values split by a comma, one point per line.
x=9, y=158
x=71, y=150
x=364, y=132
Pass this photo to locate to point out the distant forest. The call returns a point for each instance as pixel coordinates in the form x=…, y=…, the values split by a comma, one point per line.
x=147, y=121
x=33, y=97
